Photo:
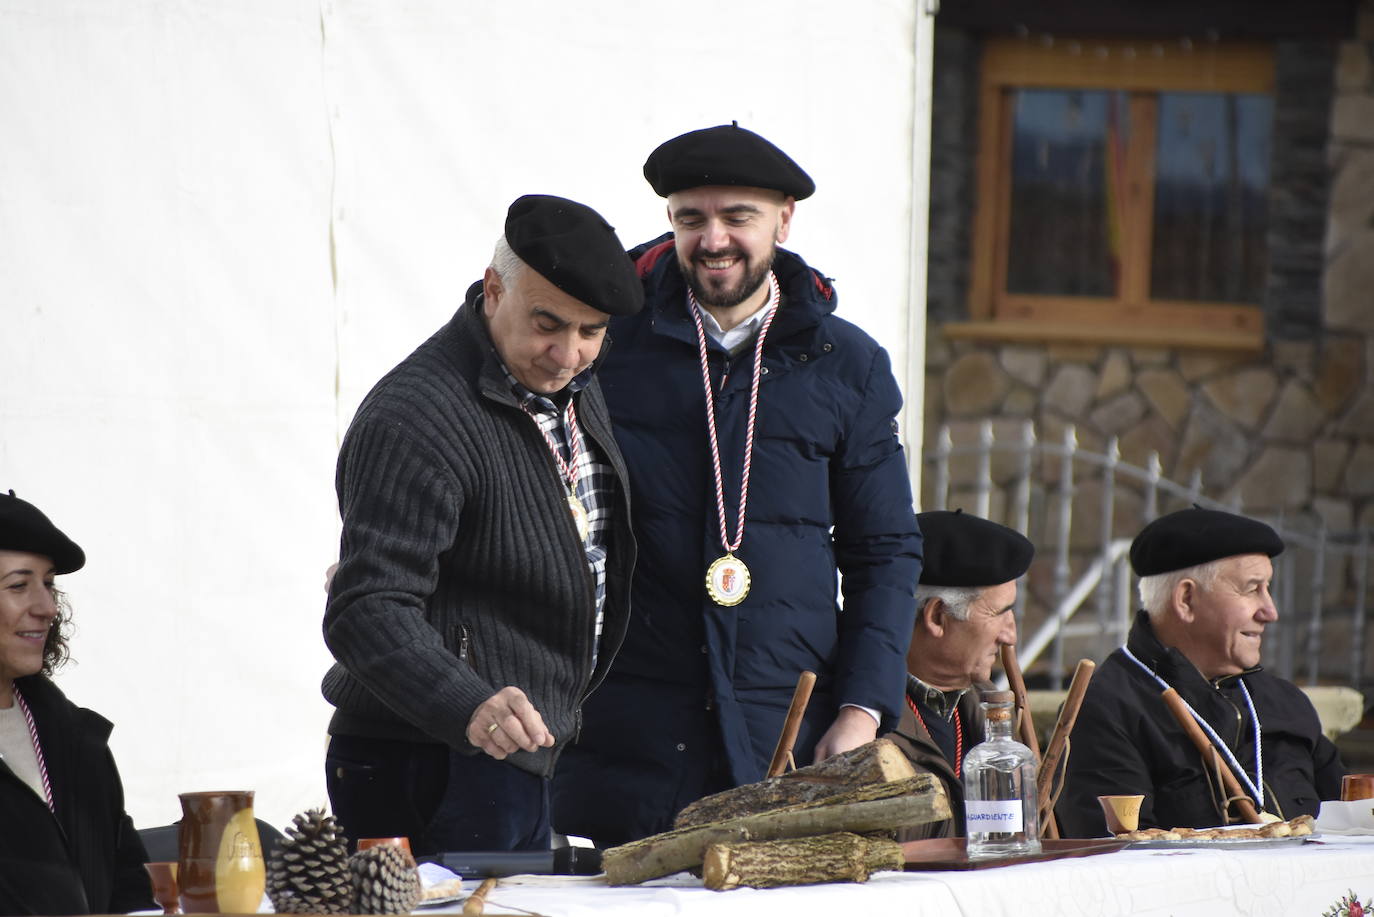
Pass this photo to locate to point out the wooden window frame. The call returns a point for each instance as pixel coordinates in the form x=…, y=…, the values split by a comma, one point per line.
x=1142, y=68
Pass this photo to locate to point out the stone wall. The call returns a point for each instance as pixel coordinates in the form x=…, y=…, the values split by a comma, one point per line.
x=1290, y=430
x=1348, y=306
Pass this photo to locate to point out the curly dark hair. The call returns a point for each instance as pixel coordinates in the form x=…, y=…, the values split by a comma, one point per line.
x=55, y=650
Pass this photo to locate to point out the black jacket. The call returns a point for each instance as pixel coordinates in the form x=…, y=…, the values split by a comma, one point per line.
x=1126, y=741
x=85, y=857
x=460, y=569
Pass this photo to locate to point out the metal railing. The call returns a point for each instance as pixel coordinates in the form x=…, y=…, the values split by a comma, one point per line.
x=1321, y=579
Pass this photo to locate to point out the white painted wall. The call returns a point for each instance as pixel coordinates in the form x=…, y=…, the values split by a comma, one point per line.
x=220, y=222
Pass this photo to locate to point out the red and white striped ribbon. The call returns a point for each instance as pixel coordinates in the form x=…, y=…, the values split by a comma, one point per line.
x=37, y=748
x=568, y=468
x=732, y=545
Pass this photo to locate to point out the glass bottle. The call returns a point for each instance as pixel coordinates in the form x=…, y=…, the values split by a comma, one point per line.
x=1001, y=811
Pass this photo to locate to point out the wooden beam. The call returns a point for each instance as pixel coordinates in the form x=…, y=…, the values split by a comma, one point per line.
x=1311, y=19
x=1111, y=63
x=1102, y=333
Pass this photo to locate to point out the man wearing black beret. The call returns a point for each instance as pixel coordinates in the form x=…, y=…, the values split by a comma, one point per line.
x=1204, y=588
x=759, y=429
x=963, y=619
x=483, y=578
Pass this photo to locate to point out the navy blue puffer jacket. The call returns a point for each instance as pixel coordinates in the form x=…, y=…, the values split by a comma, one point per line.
x=829, y=493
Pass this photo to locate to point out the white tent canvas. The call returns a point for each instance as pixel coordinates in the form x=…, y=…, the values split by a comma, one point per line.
x=221, y=222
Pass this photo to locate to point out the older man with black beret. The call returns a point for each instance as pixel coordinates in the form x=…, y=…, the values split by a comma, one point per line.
x=963, y=619
x=1204, y=590
x=483, y=578
x=760, y=433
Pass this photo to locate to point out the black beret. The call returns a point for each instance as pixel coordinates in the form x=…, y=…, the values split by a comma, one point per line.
x=24, y=528
x=964, y=550
x=1195, y=536
x=573, y=248
x=724, y=155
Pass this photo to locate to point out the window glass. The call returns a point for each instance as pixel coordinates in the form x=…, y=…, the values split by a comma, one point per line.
x=1211, y=180
x=1068, y=155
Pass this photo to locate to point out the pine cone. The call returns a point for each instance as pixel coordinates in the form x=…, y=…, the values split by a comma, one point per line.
x=309, y=873
x=385, y=881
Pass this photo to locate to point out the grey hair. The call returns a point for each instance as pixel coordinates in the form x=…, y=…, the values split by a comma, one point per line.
x=1157, y=591
x=957, y=599
x=506, y=263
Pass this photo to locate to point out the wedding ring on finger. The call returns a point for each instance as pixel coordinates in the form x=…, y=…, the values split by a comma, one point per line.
x=493, y=727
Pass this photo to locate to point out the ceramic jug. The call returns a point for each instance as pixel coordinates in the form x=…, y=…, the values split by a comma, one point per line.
x=220, y=867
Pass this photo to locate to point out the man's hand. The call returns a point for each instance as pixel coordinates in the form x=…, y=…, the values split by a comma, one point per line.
x=516, y=724
x=852, y=728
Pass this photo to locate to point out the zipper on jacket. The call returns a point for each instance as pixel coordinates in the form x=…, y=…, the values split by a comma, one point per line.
x=1240, y=718
x=463, y=643
x=588, y=579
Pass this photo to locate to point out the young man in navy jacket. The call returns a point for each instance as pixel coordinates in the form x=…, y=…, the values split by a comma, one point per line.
x=760, y=435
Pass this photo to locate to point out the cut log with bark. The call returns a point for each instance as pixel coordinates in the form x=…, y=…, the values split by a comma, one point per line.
x=879, y=761
x=839, y=857
x=913, y=801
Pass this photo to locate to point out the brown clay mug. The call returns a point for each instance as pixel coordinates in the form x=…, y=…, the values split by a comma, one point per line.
x=219, y=865
x=1357, y=786
x=400, y=842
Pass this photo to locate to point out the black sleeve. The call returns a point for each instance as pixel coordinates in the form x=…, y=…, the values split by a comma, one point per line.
x=40, y=887
x=132, y=890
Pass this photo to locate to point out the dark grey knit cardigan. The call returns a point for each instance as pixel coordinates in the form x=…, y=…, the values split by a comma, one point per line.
x=460, y=571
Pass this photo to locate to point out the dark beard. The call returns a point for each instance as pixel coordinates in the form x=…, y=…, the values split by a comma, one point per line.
x=726, y=298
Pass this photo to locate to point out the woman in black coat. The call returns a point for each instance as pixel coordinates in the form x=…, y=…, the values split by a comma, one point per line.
x=66, y=844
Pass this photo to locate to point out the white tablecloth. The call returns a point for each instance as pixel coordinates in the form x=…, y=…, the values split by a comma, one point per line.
x=1286, y=881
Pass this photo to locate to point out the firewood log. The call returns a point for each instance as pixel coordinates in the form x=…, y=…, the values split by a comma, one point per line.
x=839, y=857
x=914, y=801
x=879, y=761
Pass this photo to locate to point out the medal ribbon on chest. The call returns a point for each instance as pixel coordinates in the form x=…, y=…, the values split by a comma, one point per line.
x=568, y=468
x=37, y=748
x=1256, y=786
x=958, y=735
x=728, y=579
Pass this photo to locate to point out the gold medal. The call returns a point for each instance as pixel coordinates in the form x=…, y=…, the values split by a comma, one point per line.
x=568, y=468
x=579, y=514
x=727, y=580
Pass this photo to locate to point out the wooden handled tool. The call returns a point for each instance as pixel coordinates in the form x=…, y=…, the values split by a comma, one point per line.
x=1209, y=753
x=800, y=698
x=477, y=901
x=1026, y=727
x=1054, y=751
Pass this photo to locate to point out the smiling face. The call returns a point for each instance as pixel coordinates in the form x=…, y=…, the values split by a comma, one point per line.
x=1225, y=623
x=544, y=336
x=27, y=610
x=950, y=653
x=725, y=239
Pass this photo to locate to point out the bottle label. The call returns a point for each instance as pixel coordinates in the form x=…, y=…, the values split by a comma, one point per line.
x=989, y=815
